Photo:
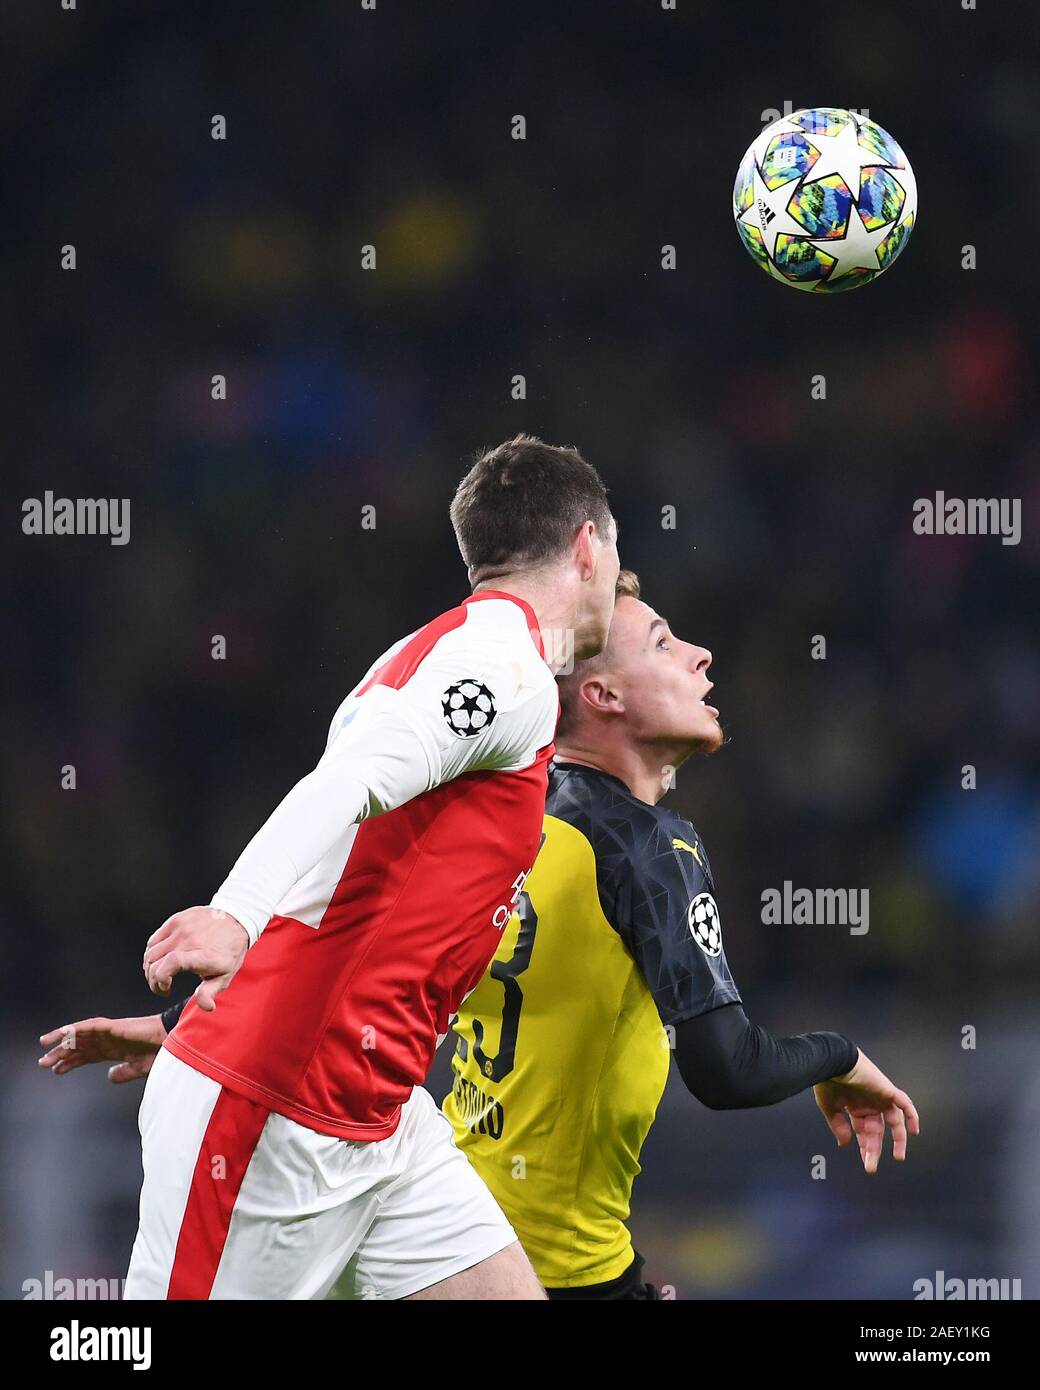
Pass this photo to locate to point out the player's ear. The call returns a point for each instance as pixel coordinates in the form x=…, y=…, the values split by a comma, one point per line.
x=600, y=695
x=584, y=550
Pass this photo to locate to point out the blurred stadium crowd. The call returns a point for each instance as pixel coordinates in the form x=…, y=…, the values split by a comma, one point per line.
x=688, y=388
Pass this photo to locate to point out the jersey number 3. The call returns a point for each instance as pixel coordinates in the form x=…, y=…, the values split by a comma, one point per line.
x=507, y=972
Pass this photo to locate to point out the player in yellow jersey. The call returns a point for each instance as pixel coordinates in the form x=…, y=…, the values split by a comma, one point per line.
x=614, y=962
x=612, y=965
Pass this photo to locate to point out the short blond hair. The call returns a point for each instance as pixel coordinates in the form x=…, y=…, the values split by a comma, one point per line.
x=627, y=587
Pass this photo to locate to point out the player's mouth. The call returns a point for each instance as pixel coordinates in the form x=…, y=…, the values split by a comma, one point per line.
x=704, y=702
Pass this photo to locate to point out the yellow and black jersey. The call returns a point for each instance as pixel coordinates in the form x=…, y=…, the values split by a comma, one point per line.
x=563, y=1048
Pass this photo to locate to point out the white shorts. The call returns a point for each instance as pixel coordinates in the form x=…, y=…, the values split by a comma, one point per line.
x=239, y=1202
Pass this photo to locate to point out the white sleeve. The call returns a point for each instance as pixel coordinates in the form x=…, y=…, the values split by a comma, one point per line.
x=467, y=707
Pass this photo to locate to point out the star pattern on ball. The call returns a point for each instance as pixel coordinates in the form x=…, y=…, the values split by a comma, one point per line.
x=852, y=253
x=841, y=154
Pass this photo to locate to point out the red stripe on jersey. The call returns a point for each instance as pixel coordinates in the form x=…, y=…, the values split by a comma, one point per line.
x=228, y=1144
x=403, y=665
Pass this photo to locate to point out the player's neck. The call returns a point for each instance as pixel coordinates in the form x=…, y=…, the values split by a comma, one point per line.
x=553, y=609
x=641, y=769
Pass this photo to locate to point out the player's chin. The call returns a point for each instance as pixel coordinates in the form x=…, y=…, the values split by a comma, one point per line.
x=708, y=735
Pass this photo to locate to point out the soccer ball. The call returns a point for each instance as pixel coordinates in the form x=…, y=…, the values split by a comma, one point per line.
x=824, y=200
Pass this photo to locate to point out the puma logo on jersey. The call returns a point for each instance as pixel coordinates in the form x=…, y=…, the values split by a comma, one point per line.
x=681, y=844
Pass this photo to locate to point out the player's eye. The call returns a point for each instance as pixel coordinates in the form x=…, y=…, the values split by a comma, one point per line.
x=665, y=643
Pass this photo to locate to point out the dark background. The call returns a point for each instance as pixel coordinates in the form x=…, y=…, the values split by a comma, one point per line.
x=691, y=388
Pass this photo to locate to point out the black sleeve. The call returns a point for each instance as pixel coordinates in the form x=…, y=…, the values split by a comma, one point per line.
x=730, y=1063
x=172, y=1014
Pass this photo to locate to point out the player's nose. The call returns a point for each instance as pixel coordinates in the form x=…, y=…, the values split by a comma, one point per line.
x=700, y=659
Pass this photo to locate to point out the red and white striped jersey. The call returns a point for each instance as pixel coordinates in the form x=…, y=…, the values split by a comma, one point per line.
x=376, y=894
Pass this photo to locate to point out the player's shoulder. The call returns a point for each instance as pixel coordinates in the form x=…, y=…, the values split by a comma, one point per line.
x=684, y=839
x=492, y=639
x=600, y=806
x=633, y=841
x=498, y=625
x=475, y=676
x=491, y=651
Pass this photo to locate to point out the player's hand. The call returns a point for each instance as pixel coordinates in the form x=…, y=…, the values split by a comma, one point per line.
x=131, y=1043
x=862, y=1102
x=205, y=941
